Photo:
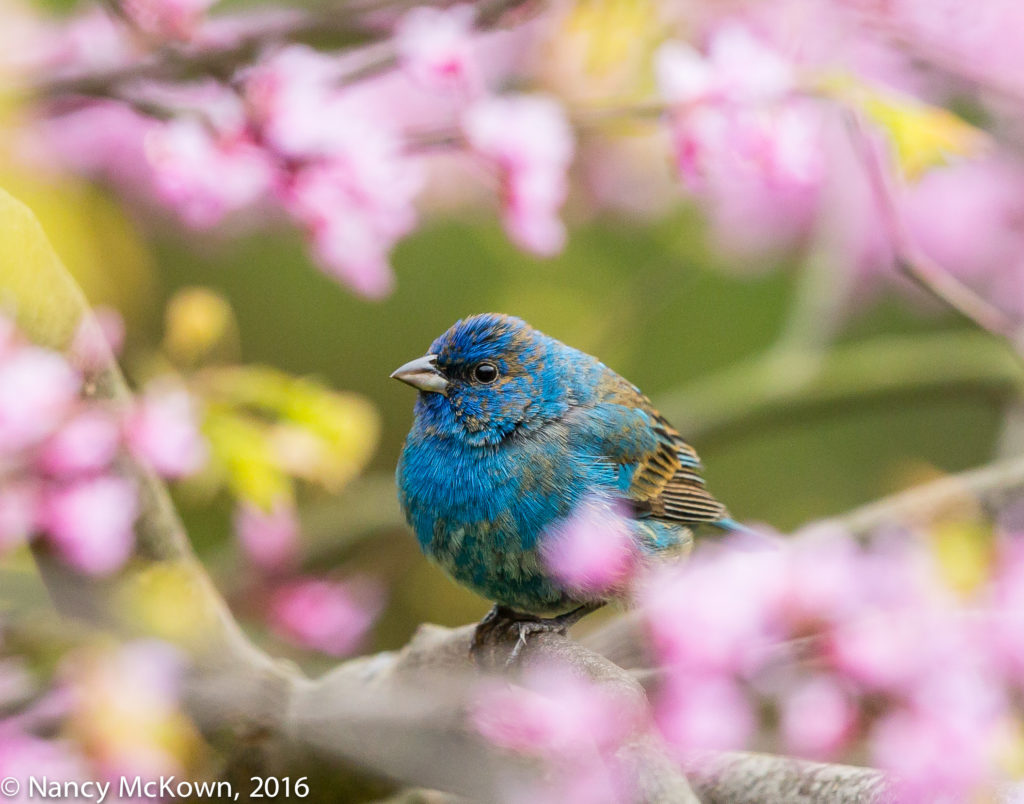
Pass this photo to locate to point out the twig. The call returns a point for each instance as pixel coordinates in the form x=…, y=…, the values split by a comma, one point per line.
x=342, y=22
x=917, y=265
x=792, y=383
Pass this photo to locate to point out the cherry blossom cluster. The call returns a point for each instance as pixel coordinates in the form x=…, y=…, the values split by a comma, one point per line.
x=351, y=146
x=760, y=122
x=297, y=134
x=817, y=646
x=60, y=451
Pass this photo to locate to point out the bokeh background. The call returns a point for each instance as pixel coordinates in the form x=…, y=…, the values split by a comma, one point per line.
x=652, y=299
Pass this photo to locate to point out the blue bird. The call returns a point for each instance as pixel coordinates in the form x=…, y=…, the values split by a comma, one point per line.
x=512, y=430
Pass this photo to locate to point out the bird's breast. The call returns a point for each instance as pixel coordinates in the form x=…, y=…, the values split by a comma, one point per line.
x=480, y=512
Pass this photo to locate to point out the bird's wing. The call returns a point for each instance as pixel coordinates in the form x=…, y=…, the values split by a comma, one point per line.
x=660, y=474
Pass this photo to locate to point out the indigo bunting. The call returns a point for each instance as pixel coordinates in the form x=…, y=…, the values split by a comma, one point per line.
x=512, y=430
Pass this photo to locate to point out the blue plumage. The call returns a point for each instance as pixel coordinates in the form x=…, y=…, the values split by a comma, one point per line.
x=512, y=430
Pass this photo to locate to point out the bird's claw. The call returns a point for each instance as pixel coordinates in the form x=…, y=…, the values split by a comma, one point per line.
x=501, y=624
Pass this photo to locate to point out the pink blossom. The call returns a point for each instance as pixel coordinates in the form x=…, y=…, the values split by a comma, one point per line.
x=717, y=614
x=174, y=19
x=593, y=552
x=529, y=142
x=825, y=579
x=162, y=430
x=104, y=140
x=98, y=338
x=356, y=209
x=86, y=443
x=351, y=185
x=698, y=712
x=291, y=98
x=19, y=512
x=90, y=521
x=553, y=711
x=23, y=756
x=92, y=39
x=932, y=757
x=737, y=68
x=205, y=176
x=873, y=649
x=817, y=717
x=37, y=390
x=269, y=538
x=435, y=46
x=326, y=616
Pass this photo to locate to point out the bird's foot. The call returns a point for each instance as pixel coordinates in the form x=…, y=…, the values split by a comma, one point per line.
x=503, y=625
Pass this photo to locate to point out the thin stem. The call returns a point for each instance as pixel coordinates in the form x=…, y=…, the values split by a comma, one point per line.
x=786, y=385
x=917, y=265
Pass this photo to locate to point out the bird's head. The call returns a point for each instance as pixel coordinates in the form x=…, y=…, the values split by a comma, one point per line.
x=489, y=375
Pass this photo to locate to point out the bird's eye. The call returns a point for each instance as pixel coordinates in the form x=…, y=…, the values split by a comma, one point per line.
x=485, y=372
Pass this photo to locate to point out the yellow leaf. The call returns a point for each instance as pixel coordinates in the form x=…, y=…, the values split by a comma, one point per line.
x=922, y=136
x=340, y=429
x=964, y=551
x=240, y=445
x=33, y=281
x=96, y=243
x=198, y=323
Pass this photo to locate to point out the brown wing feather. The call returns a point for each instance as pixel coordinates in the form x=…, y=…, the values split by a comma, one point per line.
x=667, y=483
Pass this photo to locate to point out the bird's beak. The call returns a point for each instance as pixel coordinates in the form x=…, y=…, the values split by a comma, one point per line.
x=422, y=373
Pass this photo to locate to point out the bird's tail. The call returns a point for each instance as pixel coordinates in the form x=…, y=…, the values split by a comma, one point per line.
x=747, y=538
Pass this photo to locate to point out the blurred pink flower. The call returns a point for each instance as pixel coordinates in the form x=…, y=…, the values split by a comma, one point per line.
x=933, y=757
x=291, y=97
x=873, y=649
x=86, y=443
x=23, y=756
x=356, y=207
x=351, y=183
x=326, y=616
x=435, y=46
x=91, y=39
x=98, y=338
x=162, y=430
x=593, y=552
x=269, y=538
x=173, y=19
x=90, y=522
x=101, y=140
x=817, y=717
x=825, y=577
x=37, y=390
x=19, y=512
x=738, y=67
x=704, y=712
x=528, y=140
x=717, y=614
x=204, y=176
x=979, y=41
x=553, y=710
x=125, y=705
